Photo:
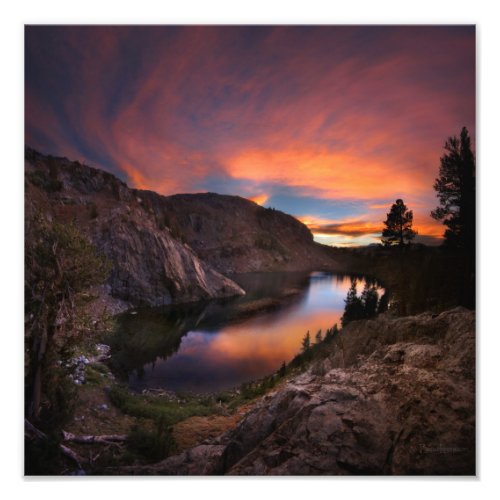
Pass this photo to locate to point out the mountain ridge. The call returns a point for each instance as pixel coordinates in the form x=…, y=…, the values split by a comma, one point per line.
x=168, y=249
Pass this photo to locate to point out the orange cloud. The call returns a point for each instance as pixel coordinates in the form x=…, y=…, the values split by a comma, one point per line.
x=367, y=226
x=326, y=173
x=260, y=199
x=135, y=175
x=357, y=114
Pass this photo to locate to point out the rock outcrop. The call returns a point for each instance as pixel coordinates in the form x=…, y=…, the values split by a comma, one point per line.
x=395, y=396
x=150, y=266
x=235, y=235
x=168, y=249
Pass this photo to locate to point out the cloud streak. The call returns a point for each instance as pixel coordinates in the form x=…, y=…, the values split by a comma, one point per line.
x=354, y=114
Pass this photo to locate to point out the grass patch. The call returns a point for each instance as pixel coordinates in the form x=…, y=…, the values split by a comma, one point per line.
x=92, y=376
x=159, y=408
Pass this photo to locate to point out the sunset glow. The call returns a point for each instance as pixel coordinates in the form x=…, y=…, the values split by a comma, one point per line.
x=330, y=124
x=260, y=199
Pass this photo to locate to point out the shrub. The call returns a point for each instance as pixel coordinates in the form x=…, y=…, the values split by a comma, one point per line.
x=153, y=445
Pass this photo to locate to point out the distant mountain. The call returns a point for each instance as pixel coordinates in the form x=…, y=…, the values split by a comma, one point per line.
x=168, y=249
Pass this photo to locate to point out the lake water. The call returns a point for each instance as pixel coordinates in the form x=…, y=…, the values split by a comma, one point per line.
x=217, y=345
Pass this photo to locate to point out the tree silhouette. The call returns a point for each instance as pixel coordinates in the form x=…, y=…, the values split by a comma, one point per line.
x=369, y=298
x=363, y=307
x=306, y=342
x=456, y=191
x=353, y=305
x=319, y=337
x=398, y=225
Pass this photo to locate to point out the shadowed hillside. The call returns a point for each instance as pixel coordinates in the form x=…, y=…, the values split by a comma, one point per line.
x=168, y=249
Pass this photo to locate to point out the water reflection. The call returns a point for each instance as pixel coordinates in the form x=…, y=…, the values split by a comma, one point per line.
x=217, y=345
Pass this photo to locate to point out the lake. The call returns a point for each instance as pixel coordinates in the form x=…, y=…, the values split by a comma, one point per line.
x=216, y=345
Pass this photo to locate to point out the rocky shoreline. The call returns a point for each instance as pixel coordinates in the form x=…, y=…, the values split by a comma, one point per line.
x=396, y=396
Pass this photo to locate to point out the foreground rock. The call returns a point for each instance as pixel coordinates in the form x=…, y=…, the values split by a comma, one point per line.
x=396, y=396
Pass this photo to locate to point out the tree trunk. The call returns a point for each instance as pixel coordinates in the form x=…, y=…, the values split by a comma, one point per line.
x=103, y=439
x=37, y=382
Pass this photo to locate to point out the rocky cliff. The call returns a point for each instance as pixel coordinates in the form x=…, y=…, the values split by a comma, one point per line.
x=235, y=235
x=395, y=396
x=149, y=264
x=168, y=249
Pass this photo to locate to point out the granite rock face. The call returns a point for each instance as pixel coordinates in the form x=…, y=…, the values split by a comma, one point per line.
x=235, y=235
x=150, y=266
x=399, y=400
x=169, y=249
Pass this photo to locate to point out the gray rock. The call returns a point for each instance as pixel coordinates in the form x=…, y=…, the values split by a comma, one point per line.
x=404, y=406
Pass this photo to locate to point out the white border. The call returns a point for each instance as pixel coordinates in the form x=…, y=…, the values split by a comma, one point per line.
x=227, y=12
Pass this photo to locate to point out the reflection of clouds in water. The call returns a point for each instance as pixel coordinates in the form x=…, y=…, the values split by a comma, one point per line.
x=254, y=347
x=275, y=343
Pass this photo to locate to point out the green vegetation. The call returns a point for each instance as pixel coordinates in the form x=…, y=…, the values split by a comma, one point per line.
x=159, y=407
x=60, y=267
x=153, y=444
x=96, y=374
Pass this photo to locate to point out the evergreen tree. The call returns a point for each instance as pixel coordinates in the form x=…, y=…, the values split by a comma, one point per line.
x=398, y=225
x=61, y=266
x=369, y=298
x=306, y=342
x=353, y=305
x=328, y=334
x=282, y=370
x=331, y=332
x=456, y=191
x=319, y=337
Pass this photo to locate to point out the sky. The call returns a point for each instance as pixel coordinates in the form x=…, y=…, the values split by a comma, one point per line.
x=328, y=123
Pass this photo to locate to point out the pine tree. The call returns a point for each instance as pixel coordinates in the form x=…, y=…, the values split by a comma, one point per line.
x=61, y=266
x=456, y=191
x=398, y=230
x=353, y=306
x=319, y=337
x=369, y=298
x=306, y=342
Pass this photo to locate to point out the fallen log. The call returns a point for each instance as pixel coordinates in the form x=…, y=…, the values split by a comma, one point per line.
x=71, y=454
x=31, y=432
x=103, y=439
